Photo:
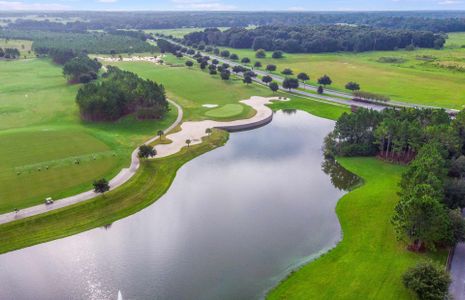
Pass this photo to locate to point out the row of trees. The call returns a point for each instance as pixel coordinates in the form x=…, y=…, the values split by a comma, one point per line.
x=315, y=39
x=121, y=93
x=9, y=53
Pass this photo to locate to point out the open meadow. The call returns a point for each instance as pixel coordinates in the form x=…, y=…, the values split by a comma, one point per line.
x=423, y=76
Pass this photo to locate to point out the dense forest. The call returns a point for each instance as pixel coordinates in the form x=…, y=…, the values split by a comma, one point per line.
x=120, y=93
x=433, y=186
x=436, y=21
x=315, y=39
x=90, y=42
x=81, y=69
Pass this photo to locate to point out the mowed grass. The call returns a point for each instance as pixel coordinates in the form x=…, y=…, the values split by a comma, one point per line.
x=40, y=126
x=226, y=111
x=148, y=185
x=416, y=80
x=369, y=262
x=35, y=165
x=192, y=88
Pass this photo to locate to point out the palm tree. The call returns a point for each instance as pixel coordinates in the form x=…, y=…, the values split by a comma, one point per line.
x=160, y=134
x=208, y=131
x=188, y=142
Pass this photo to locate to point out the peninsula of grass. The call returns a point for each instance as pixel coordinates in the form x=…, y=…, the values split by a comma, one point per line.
x=369, y=262
x=148, y=185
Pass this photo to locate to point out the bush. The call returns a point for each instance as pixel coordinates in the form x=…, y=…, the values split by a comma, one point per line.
x=277, y=54
x=427, y=281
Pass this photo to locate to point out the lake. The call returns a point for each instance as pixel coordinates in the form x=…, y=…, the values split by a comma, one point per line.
x=234, y=223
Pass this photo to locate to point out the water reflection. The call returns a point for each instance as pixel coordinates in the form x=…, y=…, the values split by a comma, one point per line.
x=340, y=177
x=235, y=221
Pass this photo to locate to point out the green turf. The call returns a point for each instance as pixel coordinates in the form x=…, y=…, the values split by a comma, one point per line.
x=320, y=109
x=416, y=80
x=226, y=111
x=192, y=88
x=149, y=184
x=40, y=127
x=369, y=262
x=178, y=32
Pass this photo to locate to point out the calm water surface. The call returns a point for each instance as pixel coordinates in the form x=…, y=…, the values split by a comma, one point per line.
x=235, y=221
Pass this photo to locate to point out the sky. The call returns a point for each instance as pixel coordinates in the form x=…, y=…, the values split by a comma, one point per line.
x=239, y=5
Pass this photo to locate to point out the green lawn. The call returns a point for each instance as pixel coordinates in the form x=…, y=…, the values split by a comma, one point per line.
x=149, y=184
x=369, y=262
x=178, y=32
x=417, y=79
x=40, y=126
x=226, y=111
x=192, y=88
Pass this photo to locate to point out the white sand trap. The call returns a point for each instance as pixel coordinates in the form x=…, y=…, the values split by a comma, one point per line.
x=194, y=131
x=210, y=105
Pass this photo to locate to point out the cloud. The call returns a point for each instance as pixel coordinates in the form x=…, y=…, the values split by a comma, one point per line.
x=296, y=8
x=202, y=5
x=107, y=1
x=450, y=2
x=19, y=5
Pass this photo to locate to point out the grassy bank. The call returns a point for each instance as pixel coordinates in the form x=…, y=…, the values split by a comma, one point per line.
x=149, y=184
x=369, y=262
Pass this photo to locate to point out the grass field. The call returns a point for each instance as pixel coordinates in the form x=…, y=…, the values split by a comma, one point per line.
x=178, y=32
x=40, y=128
x=369, y=262
x=425, y=76
x=149, y=184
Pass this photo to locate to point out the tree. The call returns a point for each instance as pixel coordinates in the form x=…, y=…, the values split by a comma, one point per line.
x=215, y=61
x=225, y=75
x=267, y=79
x=101, y=186
x=353, y=86
x=325, y=80
x=247, y=80
x=303, y=77
x=203, y=65
x=320, y=90
x=427, y=281
x=277, y=54
x=160, y=134
x=290, y=83
x=245, y=60
x=271, y=68
x=188, y=142
x=225, y=53
x=189, y=63
x=146, y=151
x=213, y=72
x=208, y=131
x=260, y=53
x=257, y=64
x=273, y=86
x=234, y=56
x=287, y=72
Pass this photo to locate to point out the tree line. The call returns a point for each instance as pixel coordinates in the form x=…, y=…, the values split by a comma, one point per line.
x=81, y=69
x=121, y=93
x=89, y=42
x=9, y=53
x=316, y=39
x=432, y=189
x=436, y=21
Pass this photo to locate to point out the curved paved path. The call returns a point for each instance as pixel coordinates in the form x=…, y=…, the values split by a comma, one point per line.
x=193, y=131
x=123, y=176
